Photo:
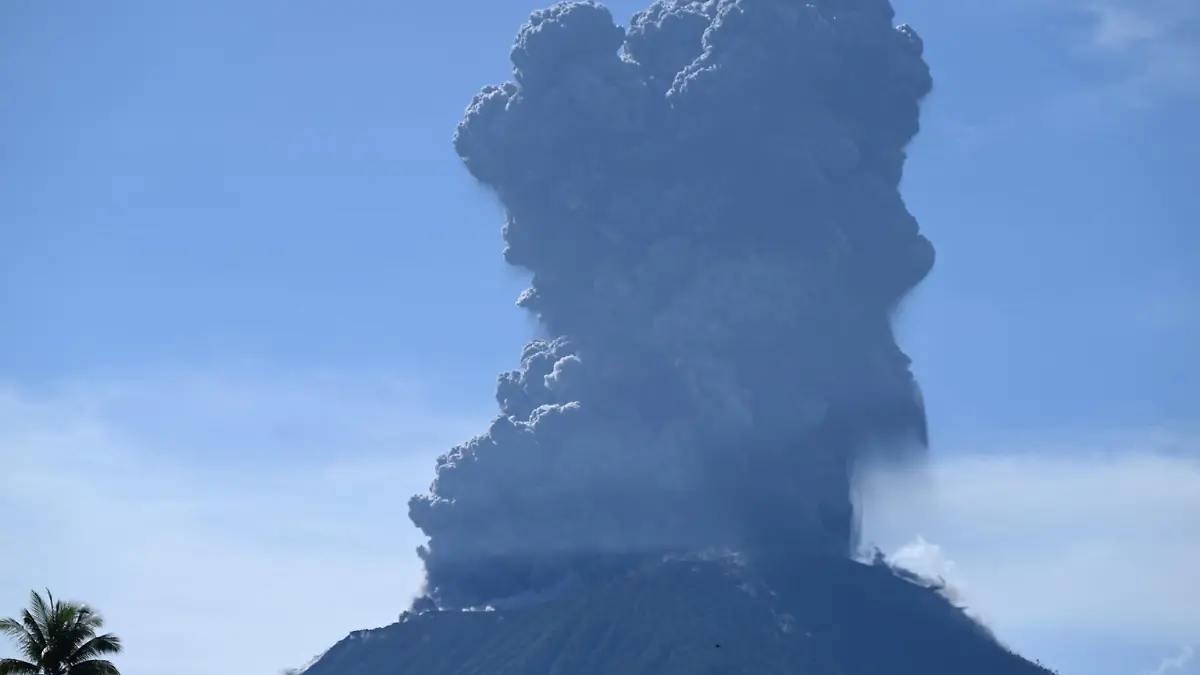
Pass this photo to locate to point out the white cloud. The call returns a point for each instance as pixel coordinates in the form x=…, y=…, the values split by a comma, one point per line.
x=237, y=523
x=1157, y=40
x=1099, y=541
x=1176, y=662
x=1125, y=56
x=925, y=559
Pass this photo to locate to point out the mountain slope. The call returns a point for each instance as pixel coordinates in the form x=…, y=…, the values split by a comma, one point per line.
x=696, y=617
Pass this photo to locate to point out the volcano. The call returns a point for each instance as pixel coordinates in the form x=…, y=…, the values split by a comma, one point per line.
x=707, y=202
x=697, y=617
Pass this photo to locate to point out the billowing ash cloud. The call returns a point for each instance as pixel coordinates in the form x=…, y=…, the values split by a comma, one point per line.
x=708, y=203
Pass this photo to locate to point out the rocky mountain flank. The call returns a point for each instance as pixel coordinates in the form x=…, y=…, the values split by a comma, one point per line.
x=697, y=617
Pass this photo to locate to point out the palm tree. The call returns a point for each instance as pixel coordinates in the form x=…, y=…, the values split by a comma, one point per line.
x=59, y=638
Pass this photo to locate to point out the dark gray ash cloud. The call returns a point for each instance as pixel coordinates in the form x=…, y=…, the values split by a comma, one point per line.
x=708, y=203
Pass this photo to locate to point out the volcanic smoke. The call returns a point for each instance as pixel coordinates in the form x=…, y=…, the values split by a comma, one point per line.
x=708, y=202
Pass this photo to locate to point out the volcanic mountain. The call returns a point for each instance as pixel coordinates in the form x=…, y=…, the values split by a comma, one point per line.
x=697, y=617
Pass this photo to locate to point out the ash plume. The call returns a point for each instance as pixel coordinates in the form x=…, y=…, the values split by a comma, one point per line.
x=708, y=203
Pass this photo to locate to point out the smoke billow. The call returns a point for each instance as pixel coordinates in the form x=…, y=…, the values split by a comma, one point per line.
x=708, y=203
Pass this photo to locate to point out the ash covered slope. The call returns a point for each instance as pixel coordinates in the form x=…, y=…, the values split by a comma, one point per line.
x=835, y=618
x=708, y=204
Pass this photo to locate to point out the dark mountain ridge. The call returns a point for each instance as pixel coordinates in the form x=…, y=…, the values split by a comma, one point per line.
x=697, y=617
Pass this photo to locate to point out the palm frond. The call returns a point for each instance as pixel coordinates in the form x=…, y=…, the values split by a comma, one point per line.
x=86, y=616
x=66, y=613
x=38, y=615
x=41, y=610
x=35, y=630
x=26, y=643
x=15, y=667
x=12, y=628
x=99, y=645
x=92, y=667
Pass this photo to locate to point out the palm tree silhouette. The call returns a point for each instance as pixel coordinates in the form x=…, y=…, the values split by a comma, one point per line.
x=57, y=637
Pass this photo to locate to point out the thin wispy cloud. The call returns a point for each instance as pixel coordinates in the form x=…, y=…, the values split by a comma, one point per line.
x=1175, y=663
x=197, y=514
x=1123, y=58
x=1157, y=42
x=1095, y=539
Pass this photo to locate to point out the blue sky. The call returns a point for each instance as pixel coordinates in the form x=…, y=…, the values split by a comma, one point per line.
x=248, y=294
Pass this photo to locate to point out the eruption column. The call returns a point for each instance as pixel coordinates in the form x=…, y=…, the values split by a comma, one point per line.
x=708, y=204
